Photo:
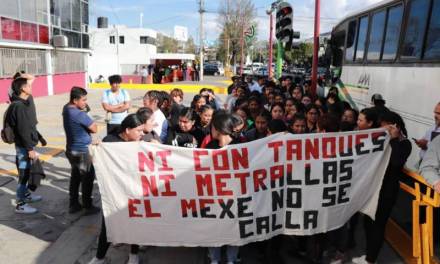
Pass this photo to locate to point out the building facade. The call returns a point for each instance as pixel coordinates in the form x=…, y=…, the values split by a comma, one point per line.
x=28, y=29
x=118, y=49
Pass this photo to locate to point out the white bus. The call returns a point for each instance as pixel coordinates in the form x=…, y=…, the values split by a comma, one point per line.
x=392, y=48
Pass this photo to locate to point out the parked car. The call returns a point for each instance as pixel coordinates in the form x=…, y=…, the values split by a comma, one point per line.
x=212, y=70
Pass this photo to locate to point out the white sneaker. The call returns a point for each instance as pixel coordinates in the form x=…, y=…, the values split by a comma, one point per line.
x=360, y=260
x=24, y=208
x=97, y=261
x=133, y=258
x=32, y=198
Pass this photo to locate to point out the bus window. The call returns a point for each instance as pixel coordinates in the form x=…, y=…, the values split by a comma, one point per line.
x=376, y=35
x=392, y=33
x=337, y=46
x=361, y=39
x=415, y=30
x=351, y=36
x=432, y=48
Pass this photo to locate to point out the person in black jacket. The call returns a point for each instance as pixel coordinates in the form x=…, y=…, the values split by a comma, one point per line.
x=182, y=135
x=23, y=119
x=401, y=149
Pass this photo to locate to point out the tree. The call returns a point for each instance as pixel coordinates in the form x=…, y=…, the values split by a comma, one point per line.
x=166, y=44
x=234, y=16
x=301, y=55
x=190, y=46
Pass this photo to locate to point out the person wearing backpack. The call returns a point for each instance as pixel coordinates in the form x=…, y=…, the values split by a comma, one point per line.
x=22, y=118
x=115, y=101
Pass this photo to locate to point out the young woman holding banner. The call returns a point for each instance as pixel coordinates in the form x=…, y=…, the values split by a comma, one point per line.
x=400, y=151
x=131, y=129
x=222, y=131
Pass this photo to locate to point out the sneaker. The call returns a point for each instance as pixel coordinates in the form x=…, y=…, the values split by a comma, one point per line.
x=338, y=258
x=24, y=208
x=214, y=262
x=32, y=198
x=360, y=260
x=92, y=210
x=96, y=261
x=74, y=208
x=230, y=262
x=133, y=259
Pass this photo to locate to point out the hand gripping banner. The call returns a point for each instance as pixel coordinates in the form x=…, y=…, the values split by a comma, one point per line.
x=284, y=184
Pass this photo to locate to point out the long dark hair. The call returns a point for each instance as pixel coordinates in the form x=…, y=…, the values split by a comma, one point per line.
x=188, y=113
x=371, y=115
x=130, y=121
x=394, y=118
x=223, y=123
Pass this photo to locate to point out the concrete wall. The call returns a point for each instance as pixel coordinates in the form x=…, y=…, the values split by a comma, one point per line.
x=62, y=83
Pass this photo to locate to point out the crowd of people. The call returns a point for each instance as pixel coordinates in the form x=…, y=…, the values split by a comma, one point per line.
x=254, y=109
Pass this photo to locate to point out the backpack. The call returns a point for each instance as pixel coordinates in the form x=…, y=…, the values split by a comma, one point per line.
x=7, y=132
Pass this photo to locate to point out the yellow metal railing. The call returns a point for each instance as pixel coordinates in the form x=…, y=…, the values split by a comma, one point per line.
x=419, y=246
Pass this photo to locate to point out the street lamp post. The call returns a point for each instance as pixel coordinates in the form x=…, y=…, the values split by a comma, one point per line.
x=316, y=47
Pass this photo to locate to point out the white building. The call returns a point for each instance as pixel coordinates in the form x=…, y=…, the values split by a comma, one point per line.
x=122, y=50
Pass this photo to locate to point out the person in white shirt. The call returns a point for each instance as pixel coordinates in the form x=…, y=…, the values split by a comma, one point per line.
x=115, y=101
x=432, y=133
x=144, y=74
x=153, y=100
x=258, y=85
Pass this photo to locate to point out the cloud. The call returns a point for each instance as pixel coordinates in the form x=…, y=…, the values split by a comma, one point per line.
x=117, y=9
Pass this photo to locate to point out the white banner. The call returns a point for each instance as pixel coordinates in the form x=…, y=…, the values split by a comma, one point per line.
x=284, y=184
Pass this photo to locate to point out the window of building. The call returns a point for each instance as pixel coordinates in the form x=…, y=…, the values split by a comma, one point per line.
x=66, y=14
x=74, y=38
x=28, y=10
x=121, y=39
x=376, y=35
x=43, y=34
x=147, y=40
x=392, y=34
x=76, y=15
x=361, y=38
x=10, y=29
x=85, y=13
x=415, y=30
x=14, y=60
x=112, y=39
x=41, y=11
x=351, y=36
x=9, y=8
x=85, y=41
x=432, y=46
x=29, y=32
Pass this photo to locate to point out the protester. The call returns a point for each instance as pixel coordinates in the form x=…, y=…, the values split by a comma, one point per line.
x=145, y=115
x=312, y=115
x=203, y=124
x=153, y=100
x=131, y=129
x=182, y=135
x=276, y=126
x=176, y=106
x=78, y=126
x=299, y=124
x=116, y=102
x=401, y=149
x=22, y=118
x=212, y=100
x=258, y=85
x=222, y=131
x=431, y=134
x=197, y=102
x=260, y=131
x=277, y=111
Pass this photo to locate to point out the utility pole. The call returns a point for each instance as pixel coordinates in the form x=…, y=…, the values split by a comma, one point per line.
x=269, y=63
x=201, y=11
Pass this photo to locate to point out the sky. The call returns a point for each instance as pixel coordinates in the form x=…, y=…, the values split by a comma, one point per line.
x=165, y=14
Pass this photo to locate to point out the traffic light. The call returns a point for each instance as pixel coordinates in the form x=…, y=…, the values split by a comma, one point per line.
x=284, y=24
x=284, y=31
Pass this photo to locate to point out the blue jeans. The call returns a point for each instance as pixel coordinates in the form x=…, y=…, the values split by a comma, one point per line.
x=231, y=253
x=23, y=165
